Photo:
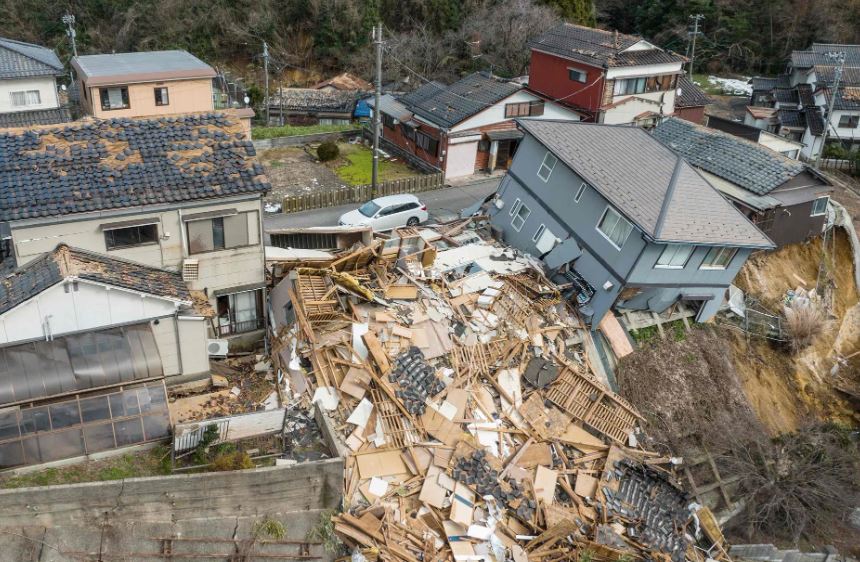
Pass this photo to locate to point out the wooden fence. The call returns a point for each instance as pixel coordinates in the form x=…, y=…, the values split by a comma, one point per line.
x=361, y=193
x=840, y=165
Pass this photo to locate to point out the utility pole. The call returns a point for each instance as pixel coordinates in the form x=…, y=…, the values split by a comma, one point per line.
x=266, y=70
x=695, y=18
x=377, y=40
x=69, y=20
x=837, y=77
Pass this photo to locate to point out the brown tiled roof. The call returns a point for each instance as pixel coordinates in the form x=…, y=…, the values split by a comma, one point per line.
x=346, y=81
x=64, y=261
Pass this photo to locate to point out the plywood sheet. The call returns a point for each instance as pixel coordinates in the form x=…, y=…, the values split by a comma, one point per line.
x=380, y=463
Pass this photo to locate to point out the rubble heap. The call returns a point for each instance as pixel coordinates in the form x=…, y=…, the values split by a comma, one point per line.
x=474, y=426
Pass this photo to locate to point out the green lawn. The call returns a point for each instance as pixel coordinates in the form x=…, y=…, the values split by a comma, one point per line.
x=358, y=166
x=259, y=133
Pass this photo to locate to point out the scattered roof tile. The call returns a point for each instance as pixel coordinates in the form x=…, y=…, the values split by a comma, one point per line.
x=313, y=100
x=117, y=163
x=51, y=116
x=64, y=261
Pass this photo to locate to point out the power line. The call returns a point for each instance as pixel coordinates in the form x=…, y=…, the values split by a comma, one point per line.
x=696, y=18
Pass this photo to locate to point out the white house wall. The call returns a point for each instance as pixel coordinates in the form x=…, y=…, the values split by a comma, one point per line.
x=496, y=113
x=191, y=345
x=461, y=159
x=843, y=132
x=91, y=307
x=627, y=112
x=646, y=70
x=46, y=85
x=780, y=144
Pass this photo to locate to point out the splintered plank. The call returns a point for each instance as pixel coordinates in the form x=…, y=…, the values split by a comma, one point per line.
x=396, y=428
x=590, y=402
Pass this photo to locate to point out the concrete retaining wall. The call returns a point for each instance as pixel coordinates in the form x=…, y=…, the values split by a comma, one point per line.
x=299, y=140
x=307, y=487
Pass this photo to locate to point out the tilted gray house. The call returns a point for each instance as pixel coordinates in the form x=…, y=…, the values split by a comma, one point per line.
x=621, y=218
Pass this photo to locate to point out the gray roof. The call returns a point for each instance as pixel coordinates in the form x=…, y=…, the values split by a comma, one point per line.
x=818, y=53
x=390, y=106
x=146, y=63
x=51, y=116
x=750, y=165
x=599, y=47
x=448, y=105
x=651, y=185
x=848, y=97
x=86, y=166
x=23, y=60
x=312, y=100
x=691, y=94
x=53, y=267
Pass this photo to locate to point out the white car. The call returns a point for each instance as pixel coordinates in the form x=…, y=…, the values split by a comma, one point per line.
x=385, y=213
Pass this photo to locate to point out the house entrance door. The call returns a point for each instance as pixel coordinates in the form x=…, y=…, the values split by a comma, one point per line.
x=507, y=149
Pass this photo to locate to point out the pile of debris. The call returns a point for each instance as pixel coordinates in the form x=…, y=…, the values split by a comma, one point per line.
x=461, y=385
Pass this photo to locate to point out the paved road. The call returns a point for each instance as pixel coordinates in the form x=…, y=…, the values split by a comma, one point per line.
x=443, y=204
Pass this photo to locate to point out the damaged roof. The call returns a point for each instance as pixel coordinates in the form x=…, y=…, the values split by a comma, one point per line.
x=600, y=47
x=345, y=81
x=690, y=94
x=51, y=116
x=65, y=261
x=748, y=164
x=118, y=163
x=311, y=99
x=644, y=179
x=448, y=105
x=24, y=60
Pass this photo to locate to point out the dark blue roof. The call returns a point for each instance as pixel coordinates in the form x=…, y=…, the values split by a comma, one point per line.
x=448, y=105
x=97, y=165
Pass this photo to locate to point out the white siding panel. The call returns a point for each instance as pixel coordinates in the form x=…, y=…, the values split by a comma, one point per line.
x=460, y=160
x=496, y=113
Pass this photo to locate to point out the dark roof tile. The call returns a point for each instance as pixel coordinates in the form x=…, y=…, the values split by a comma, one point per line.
x=22, y=60
x=690, y=94
x=52, y=116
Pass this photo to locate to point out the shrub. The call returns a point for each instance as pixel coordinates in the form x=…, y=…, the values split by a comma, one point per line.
x=328, y=151
x=802, y=324
x=234, y=460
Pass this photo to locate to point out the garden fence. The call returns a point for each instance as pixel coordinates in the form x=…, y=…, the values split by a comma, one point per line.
x=361, y=193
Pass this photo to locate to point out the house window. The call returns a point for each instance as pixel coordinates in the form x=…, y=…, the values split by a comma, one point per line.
x=629, y=86
x=114, y=98
x=849, y=121
x=219, y=233
x=579, y=192
x=428, y=143
x=718, y=258
x=546, y=167
x=141, y=235
x=240, y=312
x=819, y=206
x=515, y=207
x=538, y=233
x=577, y=75
x=524, y=109
x=520, y=217
x=408, y=132
x=614, y=227
x=26, y=98
x=642, y=84
x=161, y=97
x=388, y=121
x=674, y=256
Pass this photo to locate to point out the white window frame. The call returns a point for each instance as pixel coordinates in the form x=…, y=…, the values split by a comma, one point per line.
x=608, y=235
x=716, y=253
x=848, y=117
x=521, y=217
x=29, y=98
x=826, y=200
x=580, y=72
x=580, y=192
x=515, y=207
x=672, y=251
x=538, y=233
x=549, y=167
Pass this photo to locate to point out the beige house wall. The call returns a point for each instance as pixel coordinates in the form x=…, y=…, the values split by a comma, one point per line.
x=191, y=345
x=185, y=96
x=218, y=270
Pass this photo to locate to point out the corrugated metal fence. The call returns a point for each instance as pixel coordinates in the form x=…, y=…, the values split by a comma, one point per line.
x=361, y=193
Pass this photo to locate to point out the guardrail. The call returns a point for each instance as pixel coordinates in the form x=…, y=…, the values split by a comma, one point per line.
x=361, y=193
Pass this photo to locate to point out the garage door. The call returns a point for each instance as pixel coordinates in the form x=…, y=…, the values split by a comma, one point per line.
x=461, y=159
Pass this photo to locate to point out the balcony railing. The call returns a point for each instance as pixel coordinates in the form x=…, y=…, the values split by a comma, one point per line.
x=234, y=328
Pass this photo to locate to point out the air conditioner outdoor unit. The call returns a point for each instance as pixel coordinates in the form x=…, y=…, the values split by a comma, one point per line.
x=190, y=270
x=217, y=348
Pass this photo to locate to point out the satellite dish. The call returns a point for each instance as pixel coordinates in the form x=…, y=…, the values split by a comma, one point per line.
x=247, y=100
x=63, y=87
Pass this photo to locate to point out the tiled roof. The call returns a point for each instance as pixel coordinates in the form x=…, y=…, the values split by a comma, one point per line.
x=37, y=117
x=795, y=118
x=312, y=100
x=64, y=261
x=651, y=185
x=817, y=54
x=848, y=97
x=805, y=95
x=691, y=95
x=598, y=47
x=786, y=95
x=346, y=81
x=745, y=163
x=22, y=60
x=448, y=105
x=117, y=163
x=768, y=83
x=814, y=120
x=826, y=75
